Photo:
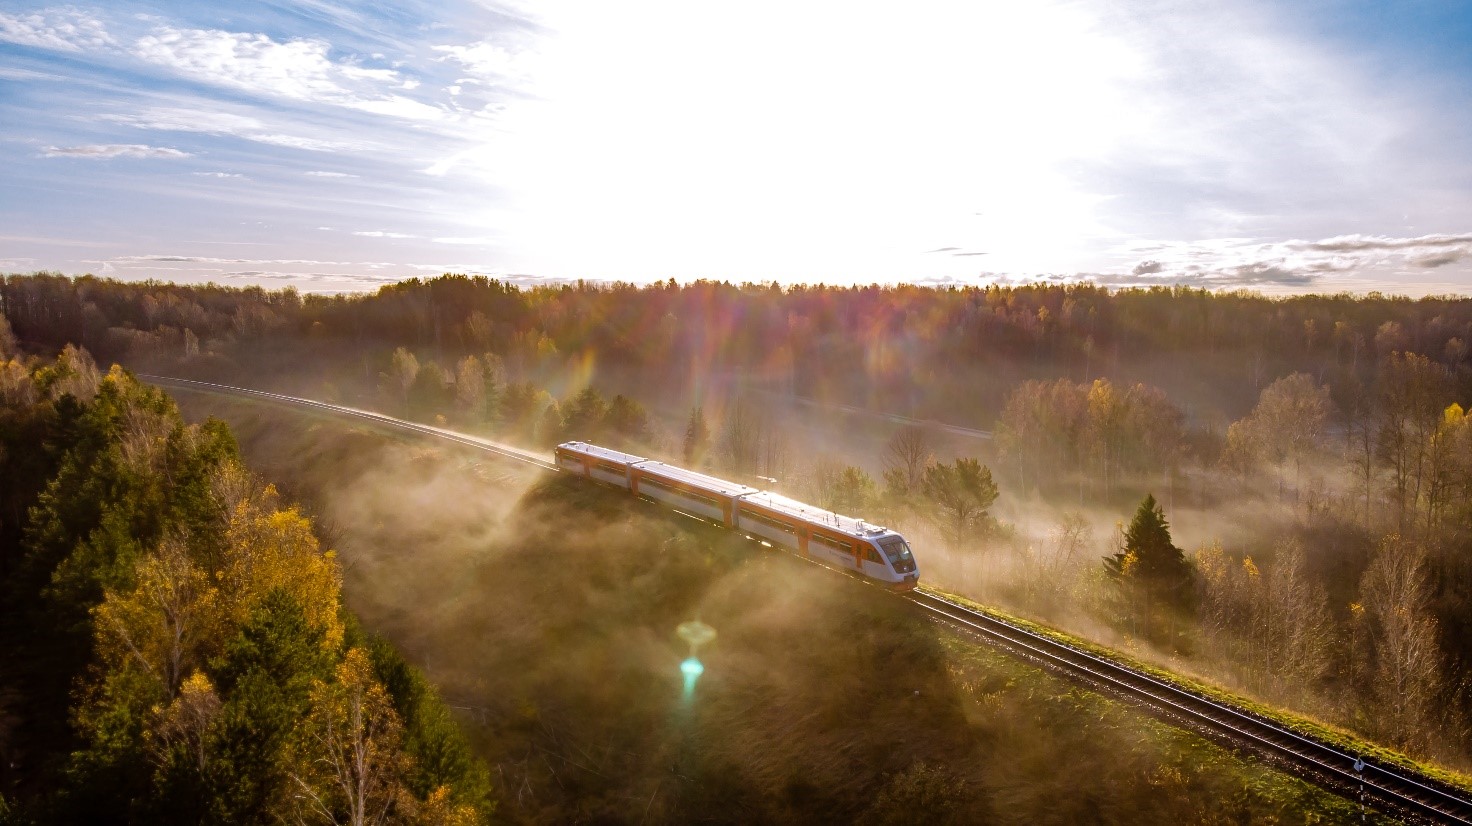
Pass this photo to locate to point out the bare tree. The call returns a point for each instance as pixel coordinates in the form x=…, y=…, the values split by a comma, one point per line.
x=1409, y=400
x=352, y=738
x=1300, y=635
x=907, y=453
x=1396, y=592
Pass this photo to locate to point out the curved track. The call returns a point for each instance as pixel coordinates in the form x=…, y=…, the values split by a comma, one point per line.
x=509, y=452
x=1391, y=790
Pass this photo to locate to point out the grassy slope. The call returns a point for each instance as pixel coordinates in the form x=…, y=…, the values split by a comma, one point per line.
x=1347, y=741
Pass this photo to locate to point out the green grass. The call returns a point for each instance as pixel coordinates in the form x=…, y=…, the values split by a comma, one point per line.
x=1177, y=751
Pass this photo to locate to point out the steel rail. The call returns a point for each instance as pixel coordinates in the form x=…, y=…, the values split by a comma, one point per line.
x=368, y=415
x=1385, y=786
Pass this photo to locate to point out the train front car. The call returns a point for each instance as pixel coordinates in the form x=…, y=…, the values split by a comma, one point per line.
x=832, y=539
x=896, y=551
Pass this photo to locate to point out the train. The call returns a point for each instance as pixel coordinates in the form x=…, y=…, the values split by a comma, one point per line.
x=852, y=545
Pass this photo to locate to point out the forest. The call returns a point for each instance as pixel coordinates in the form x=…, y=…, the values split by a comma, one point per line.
x=1273, y=495
x=175, y=643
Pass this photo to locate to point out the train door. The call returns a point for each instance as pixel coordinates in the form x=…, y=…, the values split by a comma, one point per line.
x=871, y=563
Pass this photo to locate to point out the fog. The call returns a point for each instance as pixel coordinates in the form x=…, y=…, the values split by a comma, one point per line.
x=545, y=610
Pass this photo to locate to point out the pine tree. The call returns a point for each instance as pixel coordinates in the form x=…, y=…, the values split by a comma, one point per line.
x=1150, y=565
x=697, y=436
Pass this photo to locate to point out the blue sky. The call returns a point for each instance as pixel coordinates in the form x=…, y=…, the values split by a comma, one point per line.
x=332, y=145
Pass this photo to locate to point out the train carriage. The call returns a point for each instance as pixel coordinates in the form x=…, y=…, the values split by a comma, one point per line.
x=832, y=539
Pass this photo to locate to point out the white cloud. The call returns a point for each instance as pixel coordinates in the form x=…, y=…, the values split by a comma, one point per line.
x=11, y=73
x=219, y=174
x=65, y=29
x=317, y=173
x=381, y=234
x=298, y=69
x=225, y=123
x=492, y=61
x=113, y=150
x=1246, y=262
x=471, y=241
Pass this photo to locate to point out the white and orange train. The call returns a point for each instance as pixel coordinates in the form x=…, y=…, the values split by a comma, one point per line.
x=842, y=542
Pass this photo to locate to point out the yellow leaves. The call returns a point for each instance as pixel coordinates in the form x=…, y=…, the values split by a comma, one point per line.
x=1130, y=564
x=185, y=724
x=440, y=810
x=276, y=549
x=165, y=623
x=1250, y=569
x=353, y=739
x=16, y=387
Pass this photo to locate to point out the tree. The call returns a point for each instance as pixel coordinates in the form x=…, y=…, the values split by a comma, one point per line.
x=907, y=453
x=7, y=339
x=470, y=389
x=697, y=438
x=519, y=408
x=551, y=429
x=430, y=394
x=583, y=416
x=1289, y=419
x=1396, y=591
x=959, y=497
x=353, y=768
x=1299, y=630
x=627, y=422
x=1151, y=567
x=1410, y=402
x=266, y=673
x=161, y=626
x=843, y=488
x=403, y=369
x=1105, y=431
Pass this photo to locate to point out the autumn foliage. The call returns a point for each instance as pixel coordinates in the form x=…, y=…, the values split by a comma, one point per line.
x=198, y=629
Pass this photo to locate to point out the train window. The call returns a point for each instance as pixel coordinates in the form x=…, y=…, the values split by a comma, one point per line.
x=767, y=521
x=899, y=554
x=871, y=555
x=832, y=544
x=647, y=482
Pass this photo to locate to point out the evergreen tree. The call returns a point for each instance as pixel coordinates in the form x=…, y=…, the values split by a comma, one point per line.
x=551, y=428
x=1150, y=566
x=697, y=437
x=583, y=415
x=266, y=673
x=627, y=421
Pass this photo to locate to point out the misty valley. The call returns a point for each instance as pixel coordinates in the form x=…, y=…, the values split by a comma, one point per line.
x=222, y=608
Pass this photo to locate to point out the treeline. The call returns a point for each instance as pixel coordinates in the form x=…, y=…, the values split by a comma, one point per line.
x=856, y=342
x=175, y=643
x=1352, y=599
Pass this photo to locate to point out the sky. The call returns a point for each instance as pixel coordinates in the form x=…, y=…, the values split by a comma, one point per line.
x=330, y=145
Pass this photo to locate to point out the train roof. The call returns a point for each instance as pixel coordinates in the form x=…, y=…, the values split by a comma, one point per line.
x=856, y=528
x=602, y=453
x=699, y=480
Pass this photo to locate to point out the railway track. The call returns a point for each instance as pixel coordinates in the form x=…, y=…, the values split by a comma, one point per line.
x=1388, y=789
x=507, y=451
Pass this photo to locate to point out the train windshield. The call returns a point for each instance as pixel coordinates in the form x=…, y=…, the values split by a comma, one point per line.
x=898, y=553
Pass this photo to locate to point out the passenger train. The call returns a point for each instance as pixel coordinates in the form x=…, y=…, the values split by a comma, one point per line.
x=841, y=542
